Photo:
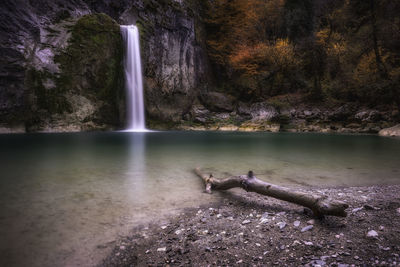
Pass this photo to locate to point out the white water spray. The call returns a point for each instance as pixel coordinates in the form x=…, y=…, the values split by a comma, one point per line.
x=133, y=79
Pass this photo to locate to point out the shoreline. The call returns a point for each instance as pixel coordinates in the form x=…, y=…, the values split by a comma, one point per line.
x=248, y=229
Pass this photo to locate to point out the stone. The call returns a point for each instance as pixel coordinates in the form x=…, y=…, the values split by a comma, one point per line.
x=392, y=131
x=216, y=101
x=246, y=222
x=163, y=249
x=281, y=225
x=228, y=128
x=372, y=233
x=307, y=228
x=356, y=210
x=296, y=223
x=311, y=221
x=368, y=116
x=179, y=231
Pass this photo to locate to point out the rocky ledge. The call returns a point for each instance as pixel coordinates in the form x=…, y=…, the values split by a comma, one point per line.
x=217, y=111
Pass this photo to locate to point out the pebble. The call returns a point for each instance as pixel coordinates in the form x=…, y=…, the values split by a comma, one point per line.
x=147, y=252
x=281, y=225
x=179, y=231
x=246, y=222
x=381, y=227
x=311, y=221
x=398, y=211
x=163, y=227
x=372, y=233
x=122, y=247
x=296, y=242
x=163, y=249
x=356, y=209
x=296, y=223
x=369, y=207
x=258, y=244
x=307, y=228
x=308, y=243
x=219, y=216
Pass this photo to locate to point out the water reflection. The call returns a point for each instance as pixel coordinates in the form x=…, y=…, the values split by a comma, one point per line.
x=136, y=164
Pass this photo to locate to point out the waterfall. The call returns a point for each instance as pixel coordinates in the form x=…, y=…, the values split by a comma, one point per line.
x=133, y=79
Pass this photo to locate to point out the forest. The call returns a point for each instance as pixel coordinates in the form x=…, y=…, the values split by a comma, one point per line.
x=326, y=50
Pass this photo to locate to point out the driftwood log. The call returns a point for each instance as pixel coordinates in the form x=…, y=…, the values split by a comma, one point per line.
x=319, y=204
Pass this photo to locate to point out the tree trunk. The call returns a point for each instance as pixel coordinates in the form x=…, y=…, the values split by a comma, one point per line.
x=320, y=205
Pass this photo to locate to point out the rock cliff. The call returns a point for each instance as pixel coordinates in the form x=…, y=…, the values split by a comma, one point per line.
x=61, y=70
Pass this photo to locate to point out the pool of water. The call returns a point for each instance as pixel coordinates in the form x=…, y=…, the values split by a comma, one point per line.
x=65, y=197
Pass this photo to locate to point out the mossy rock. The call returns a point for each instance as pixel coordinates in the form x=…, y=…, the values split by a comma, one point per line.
x=92, y=63
x=89, y=67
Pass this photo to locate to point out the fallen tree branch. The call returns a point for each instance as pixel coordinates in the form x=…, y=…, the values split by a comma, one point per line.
x=320, y=205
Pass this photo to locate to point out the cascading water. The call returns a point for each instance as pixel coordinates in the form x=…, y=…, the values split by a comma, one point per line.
x=133, y=79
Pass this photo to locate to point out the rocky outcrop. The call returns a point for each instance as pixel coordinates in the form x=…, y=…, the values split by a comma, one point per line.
x=175, y=65
x=61, y=67
x=61, y=70
x=216, y=101
x=291, y=116
x=77, y=84
x=392, y=131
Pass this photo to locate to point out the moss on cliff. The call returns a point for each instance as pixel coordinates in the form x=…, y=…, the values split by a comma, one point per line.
x=92, y=61
x=88, y=88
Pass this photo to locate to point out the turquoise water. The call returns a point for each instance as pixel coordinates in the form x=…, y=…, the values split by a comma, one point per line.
x=64, y=198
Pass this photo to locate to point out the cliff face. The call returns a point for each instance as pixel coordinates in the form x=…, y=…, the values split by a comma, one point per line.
x=61, y=70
